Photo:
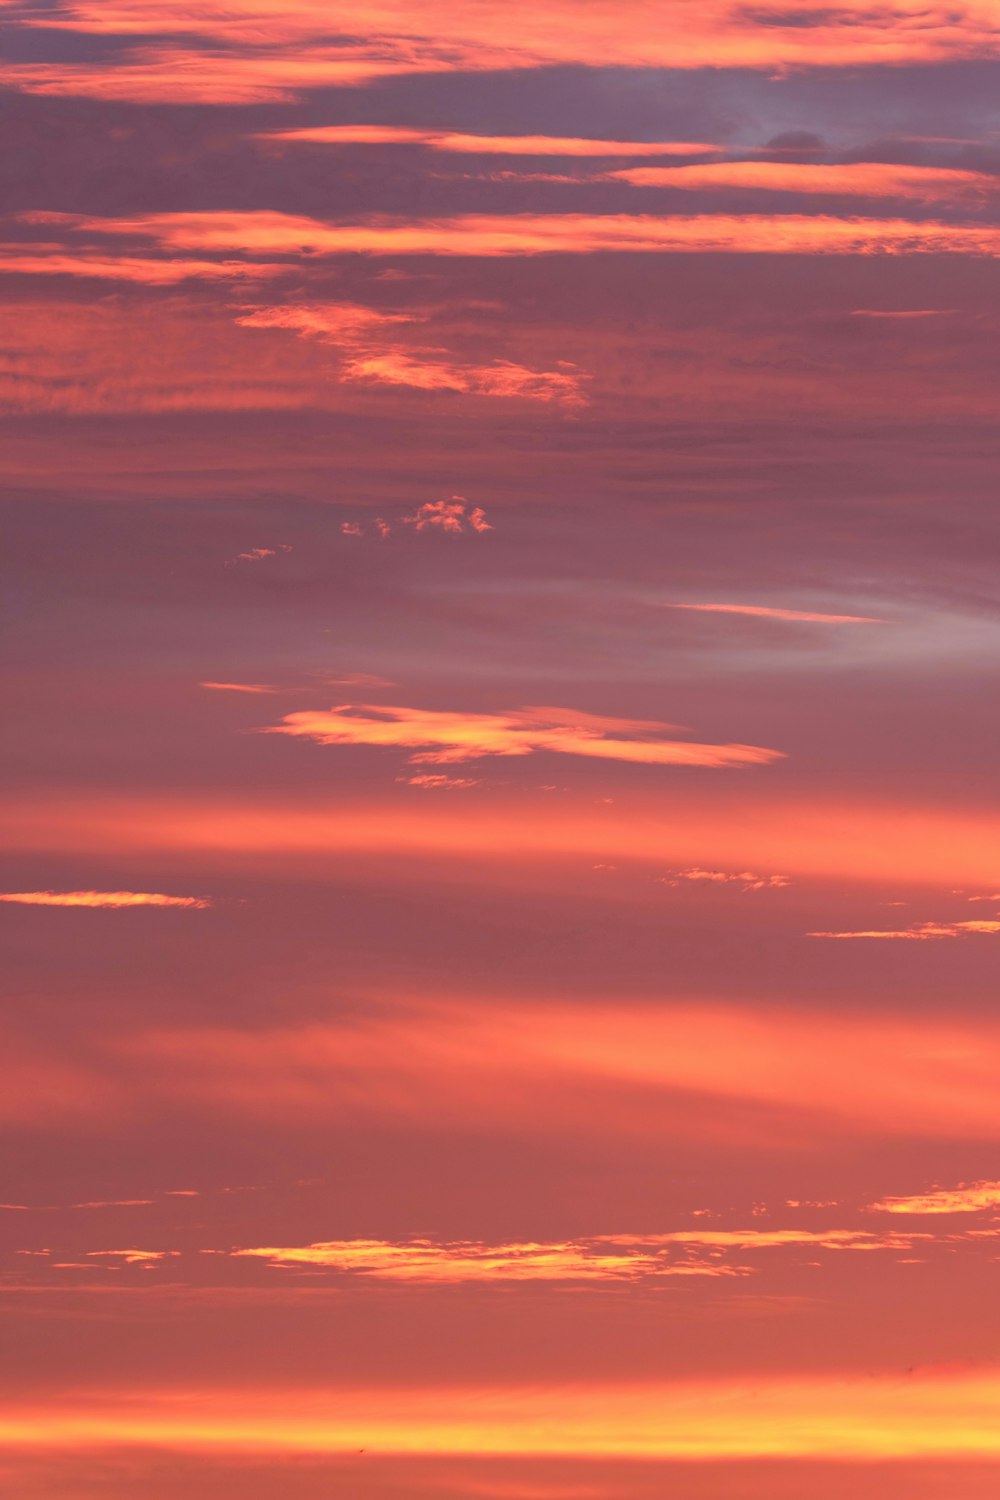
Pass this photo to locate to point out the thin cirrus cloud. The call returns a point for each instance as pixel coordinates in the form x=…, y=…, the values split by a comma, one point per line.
x=921, y=931
x=373, y=353
x=725, y=1074
x=487, y=145
x=111, y=899
x=266, y=232
x=747, y=880
x=441, y=738
x=770, y=612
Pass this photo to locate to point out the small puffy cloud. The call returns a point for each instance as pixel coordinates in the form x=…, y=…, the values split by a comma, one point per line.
x=454, y=515
x=441, y=738
x=352, y=528
x=747, y=880
x=921, y=931
x=101, y=899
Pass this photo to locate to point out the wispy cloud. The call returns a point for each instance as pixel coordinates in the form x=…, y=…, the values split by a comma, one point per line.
x=102, y=898
x=440, y=738
x=375, y=351
x=967, y=1198
x=503, y=145
x=266, y=232
x=747, y=880
x=258, y=554
x=921, y=931
x=607, y=1257
x=240, y=687
x=866, y=179
x=771, y=612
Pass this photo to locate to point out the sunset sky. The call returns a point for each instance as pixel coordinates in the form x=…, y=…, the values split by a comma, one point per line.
x=500, y=891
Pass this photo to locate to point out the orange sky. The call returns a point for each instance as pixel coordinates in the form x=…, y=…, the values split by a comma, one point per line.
x=500, y=891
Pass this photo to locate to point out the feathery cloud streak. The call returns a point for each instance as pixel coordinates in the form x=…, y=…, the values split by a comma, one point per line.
x=767, y=612
x=442, y=738
x=113, y=899
x=258, y=50
x=271, y=233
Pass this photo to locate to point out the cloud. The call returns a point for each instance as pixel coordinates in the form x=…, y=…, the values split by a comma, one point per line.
x=258, y=554
x=505, y=145
x=259, y=51
x=427, y=1261
x=101, y=899
x=440, y=783
x=921, y=932
x=374, y=351
x=775, y=1080
x=441, y=738
x=769, y=612
x=452, y=515
x=606, y=1257
x=866, y=179
x=266, y=232
x=240, y=687
x=967, y=1198
x=746, y=879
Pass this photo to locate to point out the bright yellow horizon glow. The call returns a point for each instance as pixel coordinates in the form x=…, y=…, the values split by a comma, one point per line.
x=917, y=1416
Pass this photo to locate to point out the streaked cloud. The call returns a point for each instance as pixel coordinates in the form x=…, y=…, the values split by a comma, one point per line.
x=864, y=179
x=504, y=145
x=770, y=612
x=267, y=232
x=440, y=738
x=255, y=51
x=921, y=931
x=101, y=898
x=374, y=352
x=606, y=1257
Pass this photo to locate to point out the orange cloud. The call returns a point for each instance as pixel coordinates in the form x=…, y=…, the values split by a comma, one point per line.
x=877, y=1417
x=922, y=932
x=268, y=232
x=458, y=737
x=505, y=145
x=262, y=50
x=601, y=1258
x=865, y=179
x=451, y=515
x=436, y=1262
x=968, y=1198
x=240, y=687
x=373, y=353
x=769, y=612
x=439, y=783
x=101, y=898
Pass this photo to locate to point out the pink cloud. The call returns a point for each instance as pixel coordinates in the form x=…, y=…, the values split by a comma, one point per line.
x=451, y=515
x=111, y=899
x=769, y=612
x=922, y=931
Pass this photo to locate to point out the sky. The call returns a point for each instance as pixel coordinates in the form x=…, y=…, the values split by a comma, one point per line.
x=500, y=874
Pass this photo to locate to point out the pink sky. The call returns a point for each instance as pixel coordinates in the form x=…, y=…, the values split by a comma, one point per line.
x=500, y=891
